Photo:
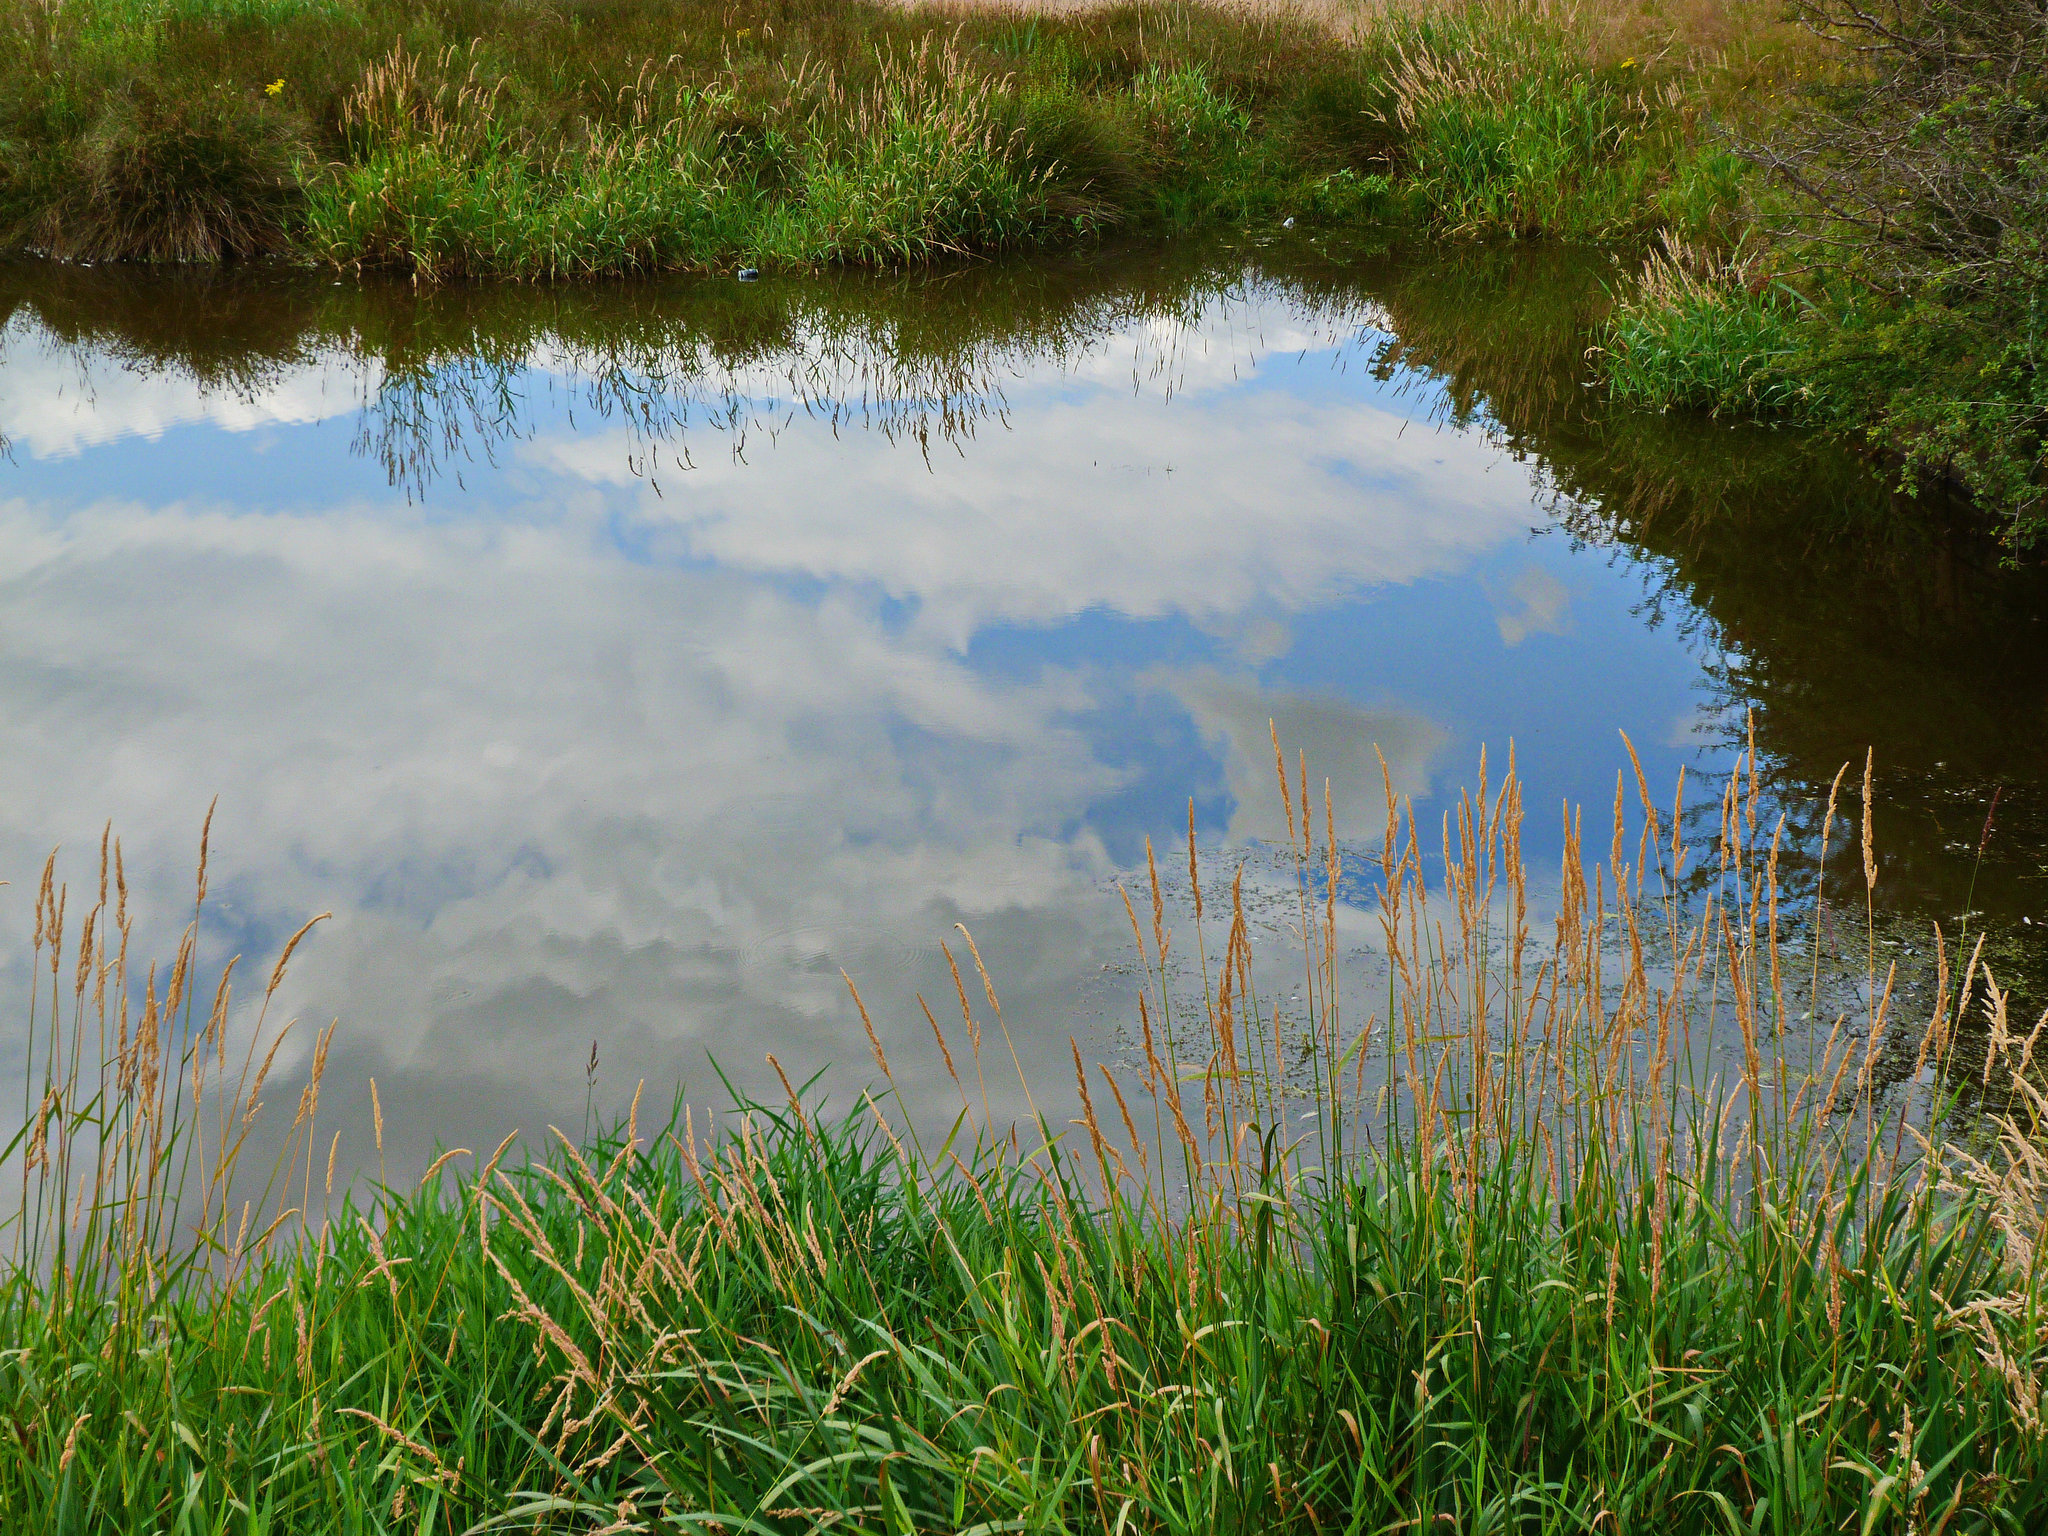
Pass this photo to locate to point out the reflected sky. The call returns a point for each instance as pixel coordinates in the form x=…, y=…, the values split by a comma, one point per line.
x=670, y=678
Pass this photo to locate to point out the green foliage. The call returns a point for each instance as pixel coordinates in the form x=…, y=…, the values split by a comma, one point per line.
x=1512, y=161
x=1952, y=388
x=1916, y=187
x=1948, y=384
x=1704, y=196
x=1509, y=128
x=928, y=173
x=1188, y=122
x=1345, y=197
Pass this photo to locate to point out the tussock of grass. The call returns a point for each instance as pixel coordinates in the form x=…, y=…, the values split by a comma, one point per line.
x=1508, y=130
x=1588, y=1230
x=1711, y=334
x=173, y=180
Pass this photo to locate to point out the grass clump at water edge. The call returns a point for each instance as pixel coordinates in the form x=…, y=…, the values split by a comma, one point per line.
x=1707, y=332
x=1505, y=1250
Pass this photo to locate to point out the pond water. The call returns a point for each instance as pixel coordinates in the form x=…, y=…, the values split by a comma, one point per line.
x=617, y=664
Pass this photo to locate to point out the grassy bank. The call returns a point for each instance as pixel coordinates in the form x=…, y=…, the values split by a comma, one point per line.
x=1594, y=1230
x=493, y=137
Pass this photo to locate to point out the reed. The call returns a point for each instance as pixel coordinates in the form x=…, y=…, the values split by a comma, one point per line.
x=1579, y=1223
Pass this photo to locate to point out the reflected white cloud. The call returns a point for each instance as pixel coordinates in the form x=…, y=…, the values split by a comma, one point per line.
x=1226, y=502
x=57, y=404
x=581, y=761
x=1221, y=347
x=1534, y=603
x=551, y=795
x=1345, y=744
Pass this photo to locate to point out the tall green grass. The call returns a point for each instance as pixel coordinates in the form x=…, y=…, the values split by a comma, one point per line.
x=485, y=138
x=1598, y=1218
x=1512, y=126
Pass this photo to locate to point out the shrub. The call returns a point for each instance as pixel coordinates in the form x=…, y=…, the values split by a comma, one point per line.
x=1917, y=180
x=1952, y=390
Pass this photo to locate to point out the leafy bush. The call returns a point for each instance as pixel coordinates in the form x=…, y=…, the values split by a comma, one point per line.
x=1953, y=389
x=1917, y=180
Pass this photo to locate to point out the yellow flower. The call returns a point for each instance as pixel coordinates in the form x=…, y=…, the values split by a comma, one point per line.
x=1628, y=63
x=275, y=88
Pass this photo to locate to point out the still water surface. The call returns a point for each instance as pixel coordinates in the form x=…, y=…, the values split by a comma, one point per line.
x=617, y=664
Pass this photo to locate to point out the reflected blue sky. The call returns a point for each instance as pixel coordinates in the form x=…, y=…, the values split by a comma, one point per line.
x=581, y=743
